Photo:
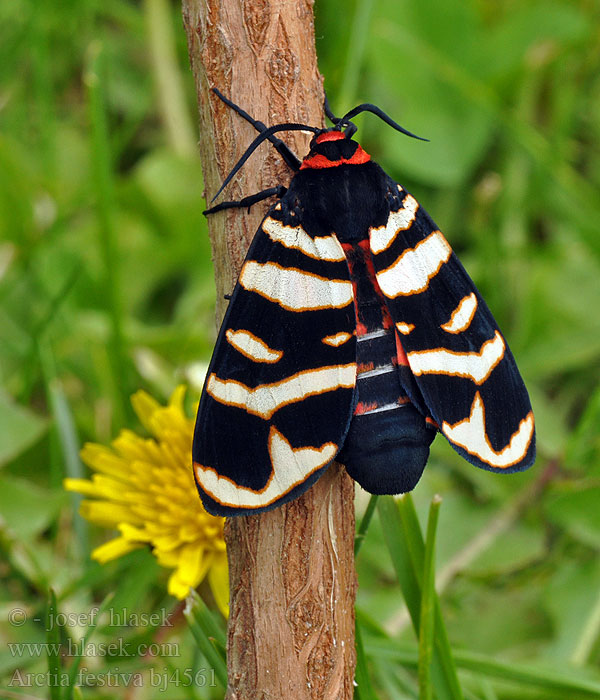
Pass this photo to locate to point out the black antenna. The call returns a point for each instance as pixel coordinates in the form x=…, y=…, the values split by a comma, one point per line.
x=328, y=113
x=382, y=115
x=288, y=156
x=263, y=136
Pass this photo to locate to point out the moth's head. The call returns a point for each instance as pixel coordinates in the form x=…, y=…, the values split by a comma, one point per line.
x=329, y=147
x=333, y=147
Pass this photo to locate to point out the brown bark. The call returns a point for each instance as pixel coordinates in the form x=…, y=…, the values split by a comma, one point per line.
x=291, y=627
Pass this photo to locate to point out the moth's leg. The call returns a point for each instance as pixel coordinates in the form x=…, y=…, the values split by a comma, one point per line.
x=278, y=191
x=288, y=156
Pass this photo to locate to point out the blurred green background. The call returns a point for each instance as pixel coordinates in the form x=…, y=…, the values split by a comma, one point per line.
x=106, y=287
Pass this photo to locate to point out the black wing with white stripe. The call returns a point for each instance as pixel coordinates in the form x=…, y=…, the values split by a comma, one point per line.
x=279, y=392
x=466, y=376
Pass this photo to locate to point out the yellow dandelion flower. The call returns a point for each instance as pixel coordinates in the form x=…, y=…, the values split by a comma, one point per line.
x=145, y=489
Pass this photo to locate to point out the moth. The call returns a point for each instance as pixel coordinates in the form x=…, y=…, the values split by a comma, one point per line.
x=353, y=333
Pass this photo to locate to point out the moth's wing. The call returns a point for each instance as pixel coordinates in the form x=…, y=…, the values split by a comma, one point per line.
x=278, y=396
x=462, y=372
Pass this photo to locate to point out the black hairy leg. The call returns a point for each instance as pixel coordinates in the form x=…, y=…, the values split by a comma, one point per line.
x=248, y=201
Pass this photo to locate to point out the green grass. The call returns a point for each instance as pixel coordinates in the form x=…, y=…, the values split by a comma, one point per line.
x=106, y=287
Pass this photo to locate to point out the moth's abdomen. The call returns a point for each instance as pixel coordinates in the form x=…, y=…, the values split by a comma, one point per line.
x=387, y=445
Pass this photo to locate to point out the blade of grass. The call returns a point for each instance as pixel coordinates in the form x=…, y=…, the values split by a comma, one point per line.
x=487, y=690
x=104, y=185
x=209, y=636
x=364, y=524
x=545, y=679
x=496, y=526
x=167, y=77
x=560, y=684
x=588, y=638
x=91, y=628
x=68, y=442
x=53, y=647
x=394, y=679
x=363, y=689
x=400, y=556
x=416, y=547
x=404, y=540
x=39, y=329
x=209, y=621
x=427, y=621
x=396, y=682
x=43, y=90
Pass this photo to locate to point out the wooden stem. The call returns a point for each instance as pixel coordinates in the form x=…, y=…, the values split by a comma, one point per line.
x=292, y=578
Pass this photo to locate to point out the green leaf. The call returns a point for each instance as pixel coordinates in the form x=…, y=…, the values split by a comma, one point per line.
x=522, y=545
x=578, y=513
x=20, y=429
x=583, y=446
x=403, y=35
x=526, y=27
x=28, y=509
x=570, y=597
x=458, y=133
